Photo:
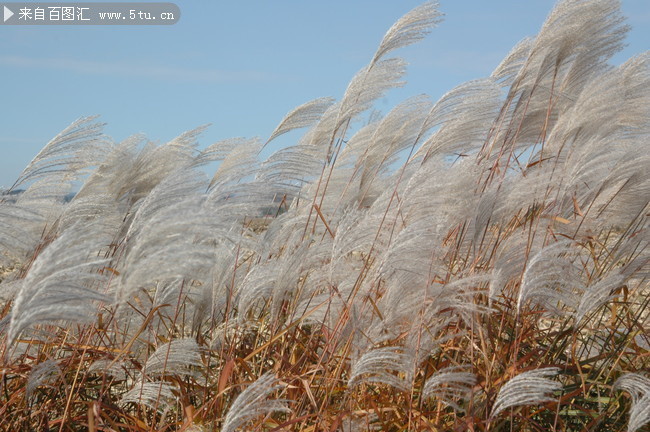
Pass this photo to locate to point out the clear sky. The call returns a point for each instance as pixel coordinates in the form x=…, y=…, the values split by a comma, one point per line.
x=241, y=65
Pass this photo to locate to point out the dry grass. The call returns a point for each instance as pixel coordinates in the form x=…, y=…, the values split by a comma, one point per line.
x=395, y=276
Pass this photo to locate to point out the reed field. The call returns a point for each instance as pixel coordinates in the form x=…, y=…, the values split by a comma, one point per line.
x=479, y=263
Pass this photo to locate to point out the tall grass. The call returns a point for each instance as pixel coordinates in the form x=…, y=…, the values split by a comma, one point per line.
x=478, y=263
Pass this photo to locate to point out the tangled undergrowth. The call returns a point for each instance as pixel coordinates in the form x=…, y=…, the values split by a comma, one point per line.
x=479, y=263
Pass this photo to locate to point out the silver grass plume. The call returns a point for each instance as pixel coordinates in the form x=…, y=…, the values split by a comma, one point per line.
x=257, y=287
x=62, y=283
x=91, y=208
x=293, y=166
x=597, y=294
x=16, y=236
x=155, y=395
x=401, y=128
x=177, y=357
x=167, y=292
x=168, y=248
x=189, y=140
x=527, y=388
x=572, y=48
x=513, y=62
x=76, y=147
x=465, y=115
x=305, y=115
x=240, y=163
x=217, y=151
x=48, y=179
x=253, y=402
x=551, y=276
x=114, y=175
x=110, y=368
x=449, y=385
x=295, y=270
x=319, y=136
x=380, y=365
x=510, y=262
x=173, y=236
x=136, y=169
x=369, y=84
x=177, y=187
x=43, y=374
x=410, y=28
x=638, y=386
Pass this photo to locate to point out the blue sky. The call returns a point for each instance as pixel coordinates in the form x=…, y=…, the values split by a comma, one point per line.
x=241, y=65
